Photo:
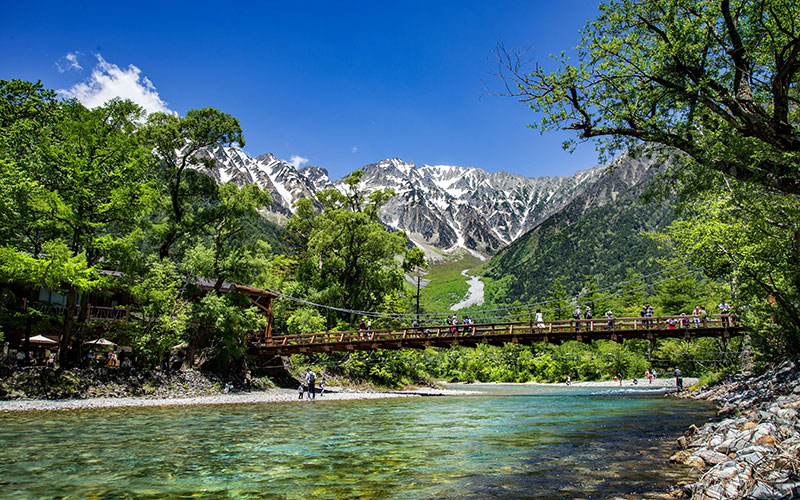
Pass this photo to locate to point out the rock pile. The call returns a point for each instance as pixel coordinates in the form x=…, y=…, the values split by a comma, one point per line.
x=754, y=451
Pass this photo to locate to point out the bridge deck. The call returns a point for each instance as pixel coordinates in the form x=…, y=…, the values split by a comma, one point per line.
x=525, y=332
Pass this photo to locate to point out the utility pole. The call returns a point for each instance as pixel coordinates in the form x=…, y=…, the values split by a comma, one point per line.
x=418, y=280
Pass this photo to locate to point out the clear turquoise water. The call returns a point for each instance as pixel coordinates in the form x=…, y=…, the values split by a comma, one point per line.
x=508, y=443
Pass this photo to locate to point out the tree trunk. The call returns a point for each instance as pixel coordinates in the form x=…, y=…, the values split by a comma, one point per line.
x=192, y=347
x=62, y=359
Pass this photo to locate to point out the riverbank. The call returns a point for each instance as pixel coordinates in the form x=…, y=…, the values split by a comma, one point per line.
x=263, y=396
x=753, y=450
x=42, y=388
x=663, y=382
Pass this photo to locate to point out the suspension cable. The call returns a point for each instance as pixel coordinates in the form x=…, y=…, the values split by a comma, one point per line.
x=386, y=315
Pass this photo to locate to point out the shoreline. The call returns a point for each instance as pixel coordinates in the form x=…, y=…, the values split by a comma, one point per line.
x=254, y=397
x=661, y=383
x=332, y=393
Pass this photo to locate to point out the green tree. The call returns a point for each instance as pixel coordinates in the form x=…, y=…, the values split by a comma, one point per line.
x=714, y=79
x=557, y=301
x=753, y=240
x=349, y=258
x=305, y=320
x=85, y=173
x=231, y=255
x=164, y=311
x=180, y=144
x=28, y=113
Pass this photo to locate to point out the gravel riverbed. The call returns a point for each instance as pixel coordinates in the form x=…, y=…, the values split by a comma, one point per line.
x=753, y=451
x=265, y=396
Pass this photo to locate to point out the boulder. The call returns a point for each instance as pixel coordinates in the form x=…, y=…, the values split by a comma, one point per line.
x=763, y=491
x=680, y=457
x=711, y=457
x=694, y=461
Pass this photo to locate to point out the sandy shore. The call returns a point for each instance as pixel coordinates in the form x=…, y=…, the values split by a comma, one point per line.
x=268, y=396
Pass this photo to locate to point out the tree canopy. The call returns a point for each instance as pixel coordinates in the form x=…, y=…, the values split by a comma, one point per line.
x=90, y=193
x=717, y=82
x=349, y=258
x=715, y=79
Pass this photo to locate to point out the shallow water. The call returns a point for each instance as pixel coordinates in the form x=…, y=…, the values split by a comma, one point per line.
x=474, y=295
x=510, y=442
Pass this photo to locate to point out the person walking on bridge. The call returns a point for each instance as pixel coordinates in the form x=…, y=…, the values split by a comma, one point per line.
x=724, y=313
x=647, y=313
x=576, y=316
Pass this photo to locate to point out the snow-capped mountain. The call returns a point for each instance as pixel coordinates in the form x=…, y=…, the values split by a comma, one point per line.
x=450, y=207
x=439, y=206
x=284, y=182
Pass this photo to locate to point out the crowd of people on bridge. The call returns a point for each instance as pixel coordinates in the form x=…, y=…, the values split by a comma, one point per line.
x=582, y=319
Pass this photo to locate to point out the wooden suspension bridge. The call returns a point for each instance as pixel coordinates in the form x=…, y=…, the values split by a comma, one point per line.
x=522, y=332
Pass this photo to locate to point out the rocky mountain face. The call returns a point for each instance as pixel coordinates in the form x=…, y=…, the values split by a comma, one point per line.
x=284, y=182
x=448, y=207
x=440, y=207
x=600, y=232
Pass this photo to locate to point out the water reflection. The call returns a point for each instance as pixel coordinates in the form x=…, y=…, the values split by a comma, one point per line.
x=509, y=442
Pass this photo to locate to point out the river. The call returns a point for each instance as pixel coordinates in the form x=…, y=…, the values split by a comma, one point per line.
x=474, y=294
x=508, y=442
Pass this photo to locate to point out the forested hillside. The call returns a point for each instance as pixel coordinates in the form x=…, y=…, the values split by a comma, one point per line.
x=601, y=233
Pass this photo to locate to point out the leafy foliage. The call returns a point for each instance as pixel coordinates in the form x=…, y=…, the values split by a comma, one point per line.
x=87, y=191
x=346, y=257
x=716, y=80
x=750, y=238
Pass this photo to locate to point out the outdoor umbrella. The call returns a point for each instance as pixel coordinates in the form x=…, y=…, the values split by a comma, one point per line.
x=41, y=339
x=100, y=341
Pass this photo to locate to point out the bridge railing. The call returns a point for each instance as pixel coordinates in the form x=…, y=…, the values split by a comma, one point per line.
x=118, y=313
x=570, y=326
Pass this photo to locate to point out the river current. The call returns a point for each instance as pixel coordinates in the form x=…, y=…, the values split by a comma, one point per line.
x=507, y=442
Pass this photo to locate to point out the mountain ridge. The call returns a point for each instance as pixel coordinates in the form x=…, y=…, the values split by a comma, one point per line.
x=599, y=233
x=442, y=208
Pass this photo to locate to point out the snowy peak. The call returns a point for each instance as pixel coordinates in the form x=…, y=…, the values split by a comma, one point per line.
x=452, y=207
x=442, y=206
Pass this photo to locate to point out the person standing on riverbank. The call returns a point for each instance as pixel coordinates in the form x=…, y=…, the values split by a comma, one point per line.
x=678, y=379
x=311, y=377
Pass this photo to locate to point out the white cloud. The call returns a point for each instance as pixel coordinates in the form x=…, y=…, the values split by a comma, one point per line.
x=355, y=149
x=109, y=81
x=296, y=161
x=69, y=62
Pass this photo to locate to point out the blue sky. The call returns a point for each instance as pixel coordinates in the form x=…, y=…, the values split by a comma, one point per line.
x=332, y=84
